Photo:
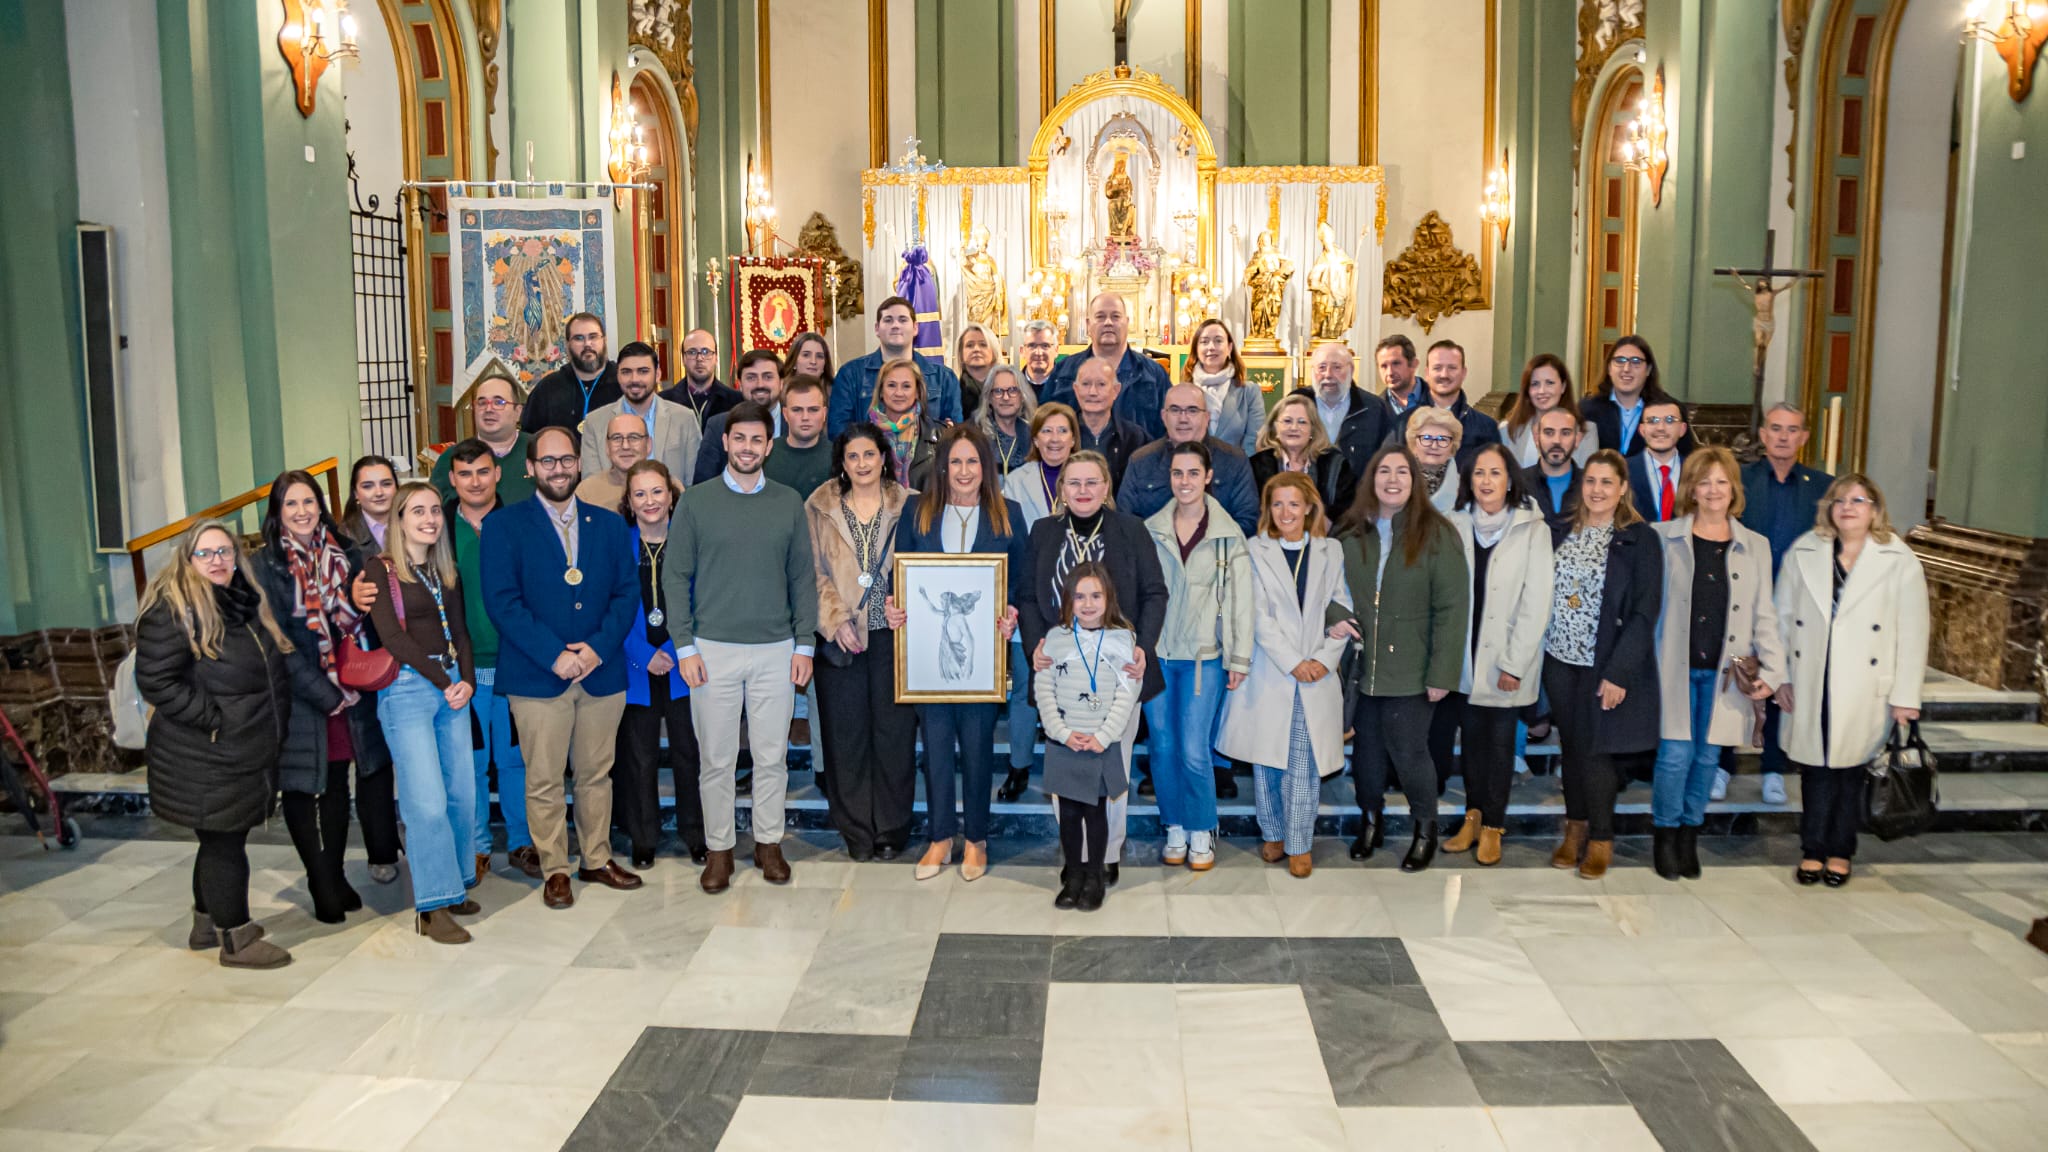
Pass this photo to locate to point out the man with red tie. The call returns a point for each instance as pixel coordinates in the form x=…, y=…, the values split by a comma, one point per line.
x=1653, y=472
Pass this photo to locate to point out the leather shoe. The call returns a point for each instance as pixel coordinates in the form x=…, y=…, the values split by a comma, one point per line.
x=466, y=908
x=642, y=861
x=699, y=853
x=1109, y=877
x=887, y=851
x=483, y=865
x=717, y=874
x=526, y=859
x=1226, y=784
x=1013, y=785
x=1272, y=851
x=611, y=876
x=1145, y=786
x=555, y=892
x=768, y=858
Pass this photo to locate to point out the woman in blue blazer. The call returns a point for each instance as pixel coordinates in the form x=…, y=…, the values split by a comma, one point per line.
x=655, y=692
x=962, y=510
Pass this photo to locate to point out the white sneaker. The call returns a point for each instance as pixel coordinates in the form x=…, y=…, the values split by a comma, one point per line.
x=1201, y=852
x=1176, y=845
x=1720, y=791
x=1774, y=788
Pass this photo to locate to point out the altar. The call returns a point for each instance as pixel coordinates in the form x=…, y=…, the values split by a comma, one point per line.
x=1122, y=193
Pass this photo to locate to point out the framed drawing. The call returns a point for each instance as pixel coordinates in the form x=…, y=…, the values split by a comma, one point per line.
x=949, y=651
x=1272, y=375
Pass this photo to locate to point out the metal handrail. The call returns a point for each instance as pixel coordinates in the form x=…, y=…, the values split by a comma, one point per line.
x=330, y=468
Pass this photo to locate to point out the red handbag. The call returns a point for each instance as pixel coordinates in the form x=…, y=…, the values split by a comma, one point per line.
x=370, y=669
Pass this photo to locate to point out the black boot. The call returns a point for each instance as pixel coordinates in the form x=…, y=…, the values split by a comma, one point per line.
x=1145, y=785
x=1013, y=785
x=1689, y=852
x=1070, y=887
x=1226, y=784
x=1091, y=888
x=1422, y=849
x=1372, y=832
x=1664, y=851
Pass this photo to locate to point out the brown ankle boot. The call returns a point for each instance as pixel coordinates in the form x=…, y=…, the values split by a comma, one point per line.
x=1466, y=835
x=1599, y=853
x=1272, y=851
x=1574, y=846
x=440, y=927
x=245, y=947
x=1300, y=865
x=1489, y=846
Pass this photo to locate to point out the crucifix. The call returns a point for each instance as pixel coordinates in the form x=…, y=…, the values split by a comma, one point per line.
x=1764, y=299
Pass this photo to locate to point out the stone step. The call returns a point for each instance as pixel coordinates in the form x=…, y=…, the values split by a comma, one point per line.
x=1951, y=699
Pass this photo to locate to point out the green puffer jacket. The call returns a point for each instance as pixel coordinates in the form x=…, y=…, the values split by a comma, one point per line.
x=1413, y=623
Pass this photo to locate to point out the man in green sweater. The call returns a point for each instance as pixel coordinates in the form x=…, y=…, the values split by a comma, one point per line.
x=496, y=404
x=802, y=457
x=744, y=636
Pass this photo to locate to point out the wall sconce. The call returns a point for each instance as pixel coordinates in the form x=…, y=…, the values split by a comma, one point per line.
x=760, y=218
x=625, y=149
x=1644, y=150
x=2015, y=29
x=1497, y=204
x=315, y=32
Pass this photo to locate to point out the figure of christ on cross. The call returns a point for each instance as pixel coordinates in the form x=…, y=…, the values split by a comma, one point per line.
x=1763, y=298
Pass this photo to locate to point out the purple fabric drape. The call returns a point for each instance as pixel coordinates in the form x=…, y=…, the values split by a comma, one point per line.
x=918, y=286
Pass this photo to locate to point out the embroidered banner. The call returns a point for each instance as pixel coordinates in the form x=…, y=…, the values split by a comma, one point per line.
x=773, y=299
x=523, y=268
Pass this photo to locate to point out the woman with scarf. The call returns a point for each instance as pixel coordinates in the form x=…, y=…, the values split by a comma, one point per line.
x=898, y=409
x=1237, y=413
x=1293, y=440
x=305, y=568
x=1434, y=435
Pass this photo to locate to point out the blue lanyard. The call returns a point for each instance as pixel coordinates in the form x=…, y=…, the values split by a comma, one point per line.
x=587, y=390
x=1095, y=663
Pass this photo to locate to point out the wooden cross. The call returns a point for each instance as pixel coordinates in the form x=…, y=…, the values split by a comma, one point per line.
x=1764, y=297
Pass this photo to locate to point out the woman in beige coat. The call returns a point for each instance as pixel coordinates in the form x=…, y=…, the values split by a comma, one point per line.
x=1717, y=612
x=1852, y=604
x=868, y=738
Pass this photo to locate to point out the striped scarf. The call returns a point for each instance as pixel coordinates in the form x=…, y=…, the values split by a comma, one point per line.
x=320, y=598
x=1075, y=550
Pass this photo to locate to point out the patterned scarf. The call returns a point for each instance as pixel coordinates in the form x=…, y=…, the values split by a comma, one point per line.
x=902, y=436
x=320, y=598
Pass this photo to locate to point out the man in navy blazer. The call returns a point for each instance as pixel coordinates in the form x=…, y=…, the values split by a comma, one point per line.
x=1663, y=433
x=561, y=584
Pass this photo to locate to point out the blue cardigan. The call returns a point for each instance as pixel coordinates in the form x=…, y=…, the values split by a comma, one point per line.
x=639, y=652
x=538, y=614
x=1016, y=545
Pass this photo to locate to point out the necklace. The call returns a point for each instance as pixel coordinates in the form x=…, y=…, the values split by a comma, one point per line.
x=1053, y=504
x=1300, y=554
x=655, y=615
x=1082, y=547
x=966, y=544
x=866, y=542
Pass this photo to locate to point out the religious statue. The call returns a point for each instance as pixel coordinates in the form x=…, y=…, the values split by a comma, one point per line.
x=535, y=299
x=1123, y=211
x=1265, y=282
x=1332, y=289
x=982, y=283
x=1763, y=298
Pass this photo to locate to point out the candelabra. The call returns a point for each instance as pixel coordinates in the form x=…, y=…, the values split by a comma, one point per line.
x=1648, y=134
x=1497, y=204
x=2015, y=29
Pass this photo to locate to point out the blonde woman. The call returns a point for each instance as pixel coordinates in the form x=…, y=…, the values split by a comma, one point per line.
x=209, y=658
x=1434, y=435
x=425, y=712
x=977, y=352
x=1293, y=439
x=1852, y=603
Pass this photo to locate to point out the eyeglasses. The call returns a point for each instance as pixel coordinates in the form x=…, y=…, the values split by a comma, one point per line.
x=588, y=338
x=202, y=555
x=1852, y=502
x=1005, y=393
x=1655, y=420
x=1085, y=485
x=490, y=403
x=693, y=353
x=625, y=438
x=558, y=461
x=1628, y=361
x=1182, y=410
x=1434, y=439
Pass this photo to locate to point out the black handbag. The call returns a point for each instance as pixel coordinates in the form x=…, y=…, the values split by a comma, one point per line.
x=1900, y=787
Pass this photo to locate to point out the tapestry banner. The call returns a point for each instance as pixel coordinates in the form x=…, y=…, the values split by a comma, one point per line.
x=773, y=299
x=523, y=267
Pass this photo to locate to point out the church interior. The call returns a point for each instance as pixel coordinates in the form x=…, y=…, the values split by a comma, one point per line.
x=244, y=236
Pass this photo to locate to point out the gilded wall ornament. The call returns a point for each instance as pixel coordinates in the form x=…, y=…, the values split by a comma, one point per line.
x=663, y=28
x=490, y=19
x=1792, y=17
x=820, y=239
x=1432, y=279
x=1604, y=25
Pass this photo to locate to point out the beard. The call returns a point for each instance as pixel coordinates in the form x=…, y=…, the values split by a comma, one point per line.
x=556, y=486
x=587, y=361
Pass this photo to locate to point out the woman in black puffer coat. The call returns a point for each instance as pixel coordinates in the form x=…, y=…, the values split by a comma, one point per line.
x=210, y=662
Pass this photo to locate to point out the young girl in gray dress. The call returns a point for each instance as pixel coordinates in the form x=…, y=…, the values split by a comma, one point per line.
x=1083, y=697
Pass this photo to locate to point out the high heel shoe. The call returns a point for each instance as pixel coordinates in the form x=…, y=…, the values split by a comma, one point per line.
x=934, y=860
x=973, y=861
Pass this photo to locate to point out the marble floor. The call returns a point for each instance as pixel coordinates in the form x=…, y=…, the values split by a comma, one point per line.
x=1511, y=1008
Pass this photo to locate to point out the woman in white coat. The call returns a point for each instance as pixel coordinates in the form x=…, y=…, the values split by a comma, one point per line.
x=1297, y=574
x=1717, y=612
x=1434, y=435
x=1852, y=603
x=1507, y=552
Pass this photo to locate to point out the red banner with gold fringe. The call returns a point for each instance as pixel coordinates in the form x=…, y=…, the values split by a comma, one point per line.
x=772, y=299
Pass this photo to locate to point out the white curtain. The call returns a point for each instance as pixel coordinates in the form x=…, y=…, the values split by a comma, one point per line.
x=1241, y=214
x=1159, y=194
x=1004, y=209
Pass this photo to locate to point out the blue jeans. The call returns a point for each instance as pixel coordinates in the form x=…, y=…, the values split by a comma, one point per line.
x=494, y=717
x=1181, y=720
x=1685, y=768
x=961, y=736
x=1021, y=716
x=430, y=751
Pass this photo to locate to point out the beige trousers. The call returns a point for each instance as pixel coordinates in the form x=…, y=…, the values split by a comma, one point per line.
x=557, y=733
x=753, y=678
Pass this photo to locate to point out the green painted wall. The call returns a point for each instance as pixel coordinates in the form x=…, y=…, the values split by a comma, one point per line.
x=1279, y=91
x=1532, y=279
x=967, y=86
x=49, y=574
x=728, y=92
x=1666, y=260
x=1995, y=414
x=542, y=84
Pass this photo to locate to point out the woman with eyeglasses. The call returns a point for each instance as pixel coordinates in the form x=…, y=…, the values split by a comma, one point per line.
x=1546, y=384
x=976, y=352
x=210, y=661
x=1293, y=440
x=1600, y=658
x=1007, y=409
x=372, y=485
x=1852, y=603
x=1434, y=435
x=1236, y=410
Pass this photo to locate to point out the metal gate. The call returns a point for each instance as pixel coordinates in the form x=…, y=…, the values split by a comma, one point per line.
x=384, y=384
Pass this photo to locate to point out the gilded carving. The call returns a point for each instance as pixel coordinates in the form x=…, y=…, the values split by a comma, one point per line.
x=663, y=28
x=1793, y=16
x=1303, y=174
x=872, y=177
x=490, y=17
x=820, y=239
x=1432, y=279
x=1604, y=25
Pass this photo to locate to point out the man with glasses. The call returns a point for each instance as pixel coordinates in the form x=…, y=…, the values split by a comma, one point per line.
x=699, y=389
x=563, y=398
x=1446, y=380
x=673, y=434
x=760, y=375
x=1144, y=488
x=1653, y=472
x=625, y=444
x=1616, y=407
x=495, y=406
x=1035, y=354
x=561, y=585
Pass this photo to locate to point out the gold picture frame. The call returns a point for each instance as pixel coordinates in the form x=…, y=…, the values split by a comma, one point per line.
x=950, y=649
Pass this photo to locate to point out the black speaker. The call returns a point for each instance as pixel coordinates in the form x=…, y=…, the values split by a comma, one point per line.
x=101, y=332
